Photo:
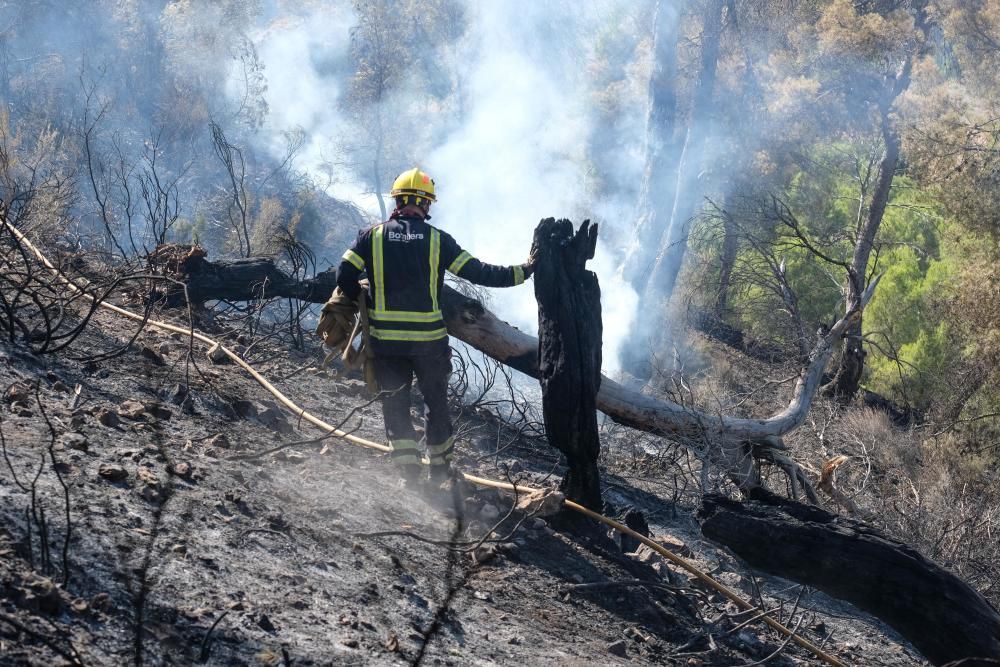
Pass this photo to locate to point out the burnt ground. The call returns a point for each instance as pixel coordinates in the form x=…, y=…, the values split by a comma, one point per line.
x=179, y=554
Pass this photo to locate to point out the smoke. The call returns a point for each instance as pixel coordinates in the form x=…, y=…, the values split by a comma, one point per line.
x=520, y=155
x=514, y=153
x=306, y=60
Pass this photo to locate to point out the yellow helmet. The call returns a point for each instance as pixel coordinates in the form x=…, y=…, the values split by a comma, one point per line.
x=415, y=183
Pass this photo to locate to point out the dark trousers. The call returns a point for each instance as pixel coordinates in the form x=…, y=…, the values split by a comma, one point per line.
x=394, y=375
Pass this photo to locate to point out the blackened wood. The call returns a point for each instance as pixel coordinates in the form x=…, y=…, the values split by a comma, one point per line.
x=233, y=280
x=944, y=618
x=569, y=351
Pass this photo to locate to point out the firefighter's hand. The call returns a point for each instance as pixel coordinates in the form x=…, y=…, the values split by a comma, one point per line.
x=529, y=266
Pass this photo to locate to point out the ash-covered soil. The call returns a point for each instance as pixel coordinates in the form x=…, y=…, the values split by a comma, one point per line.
x=181, y=553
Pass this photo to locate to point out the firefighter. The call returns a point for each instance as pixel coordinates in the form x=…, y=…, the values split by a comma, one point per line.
x=405, y=259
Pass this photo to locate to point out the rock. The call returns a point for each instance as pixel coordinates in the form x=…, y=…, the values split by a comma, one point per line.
x=152, y=355
x=42, y=594
x=60, y=386
x=490, y=512
x=674, y=545
x=543, y=502
x=350, y=643
x=79, y=605
x=181, y=469
x=108, y=418
x=217, y=355
x=17, y=393
x=112, y=472
x=179, y=549
x=131, y=410
x=484, y=554
x=147, y=475
x=265, y=624
x=166, y=347
x=152, y=492
x=273, y=418
x=618, y=648
x=646, y=554
x=77, y=441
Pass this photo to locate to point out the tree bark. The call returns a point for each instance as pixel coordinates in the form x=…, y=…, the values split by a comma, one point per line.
x=940, y=614
x=569, y=351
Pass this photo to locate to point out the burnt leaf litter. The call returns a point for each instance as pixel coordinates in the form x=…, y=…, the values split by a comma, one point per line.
x=185, y=548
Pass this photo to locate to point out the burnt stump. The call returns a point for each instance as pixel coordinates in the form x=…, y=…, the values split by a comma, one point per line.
x=569, y=351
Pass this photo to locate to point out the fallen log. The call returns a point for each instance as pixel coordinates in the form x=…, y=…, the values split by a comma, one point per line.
x=732, y=443
x=569, y=352
x=941, y=615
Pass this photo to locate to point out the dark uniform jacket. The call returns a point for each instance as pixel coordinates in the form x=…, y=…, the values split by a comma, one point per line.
x=405, y=259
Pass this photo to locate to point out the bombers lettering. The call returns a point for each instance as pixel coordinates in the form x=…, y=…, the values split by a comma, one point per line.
x=399, y=236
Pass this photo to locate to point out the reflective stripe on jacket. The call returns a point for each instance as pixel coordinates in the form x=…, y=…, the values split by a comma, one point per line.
x=405, y=259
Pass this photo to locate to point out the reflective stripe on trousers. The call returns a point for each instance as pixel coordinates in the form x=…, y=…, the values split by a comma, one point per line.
x=394, y=375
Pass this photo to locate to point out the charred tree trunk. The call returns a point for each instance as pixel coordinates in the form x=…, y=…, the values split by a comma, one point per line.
x=569, y=351
x=944, y=618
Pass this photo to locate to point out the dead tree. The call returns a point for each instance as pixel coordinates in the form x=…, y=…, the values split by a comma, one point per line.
x=945, y=618
x=569, y=351
x=731, y=444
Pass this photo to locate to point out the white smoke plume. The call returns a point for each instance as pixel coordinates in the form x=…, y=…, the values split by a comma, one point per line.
x=306, y=61
x=517, y=154
x=519, y=157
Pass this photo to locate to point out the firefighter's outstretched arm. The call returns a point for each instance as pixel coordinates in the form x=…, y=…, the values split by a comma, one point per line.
x=462, y=264
x=351, y=266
